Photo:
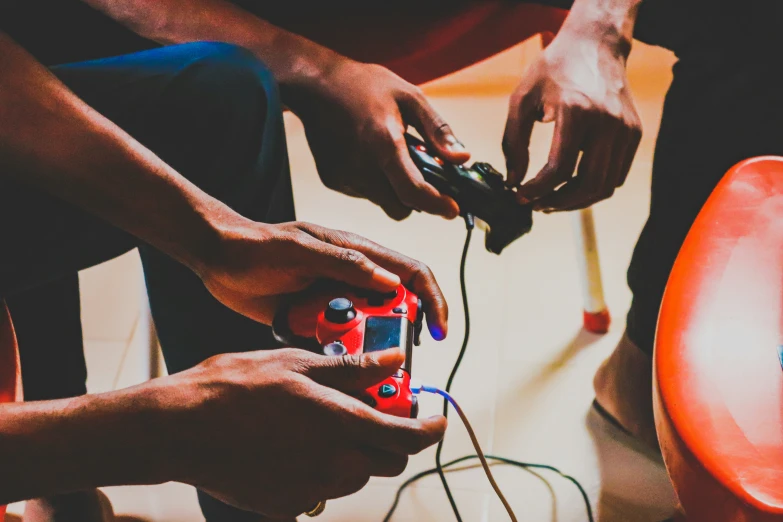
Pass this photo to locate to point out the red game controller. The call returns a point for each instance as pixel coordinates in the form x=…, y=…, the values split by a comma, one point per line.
x=338, y=320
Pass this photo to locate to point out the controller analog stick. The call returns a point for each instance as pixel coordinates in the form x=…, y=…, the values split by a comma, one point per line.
x=340, y=311
x=335, y=349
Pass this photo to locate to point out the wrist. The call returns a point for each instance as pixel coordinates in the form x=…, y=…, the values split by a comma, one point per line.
x=172, y=405
x=214, y=223
x=307, y=74
x=232, y=240
x=299, y=65
x=609, y=23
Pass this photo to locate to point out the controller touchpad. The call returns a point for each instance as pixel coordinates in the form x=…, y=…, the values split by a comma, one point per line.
x=382, y=333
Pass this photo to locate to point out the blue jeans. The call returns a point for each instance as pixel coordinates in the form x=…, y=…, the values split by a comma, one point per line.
x=212, y=112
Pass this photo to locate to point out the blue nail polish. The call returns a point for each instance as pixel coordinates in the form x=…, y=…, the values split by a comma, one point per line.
x=437, y=333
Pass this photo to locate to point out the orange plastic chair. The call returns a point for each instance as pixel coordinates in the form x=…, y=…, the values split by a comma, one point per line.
x=10, y=373
x=718, y=373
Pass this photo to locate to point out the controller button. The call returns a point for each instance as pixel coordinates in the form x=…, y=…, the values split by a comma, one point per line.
x=335, y=349
x=387, y=390
x=340, y=311
x=421, y=148
x=414, y=407
x=377, y=299
x=438, y=161
x=400, y=310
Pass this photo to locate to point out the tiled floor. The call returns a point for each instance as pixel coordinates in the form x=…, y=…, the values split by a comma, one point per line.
x=526, y=380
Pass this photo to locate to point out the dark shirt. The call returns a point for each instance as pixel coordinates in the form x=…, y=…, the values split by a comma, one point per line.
x=62, y=31
x=59, y=31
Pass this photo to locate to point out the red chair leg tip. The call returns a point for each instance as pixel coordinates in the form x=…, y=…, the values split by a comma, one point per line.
x=597, y=322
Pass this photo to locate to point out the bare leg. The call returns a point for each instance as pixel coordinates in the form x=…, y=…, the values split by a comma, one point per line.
x=623, y=390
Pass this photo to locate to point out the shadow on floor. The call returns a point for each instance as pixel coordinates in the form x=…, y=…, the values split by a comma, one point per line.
x=634, y=484
x=579, y=342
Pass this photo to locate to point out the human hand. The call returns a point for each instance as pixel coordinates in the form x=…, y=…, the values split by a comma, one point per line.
x=580, y=83
x=256, y=263
x=275, y=433
x=355, y=119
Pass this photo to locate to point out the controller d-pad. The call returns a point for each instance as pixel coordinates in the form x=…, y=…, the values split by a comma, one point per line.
x=387, y=390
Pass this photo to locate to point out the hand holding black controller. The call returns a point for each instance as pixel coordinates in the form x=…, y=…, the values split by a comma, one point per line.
x=479, y=190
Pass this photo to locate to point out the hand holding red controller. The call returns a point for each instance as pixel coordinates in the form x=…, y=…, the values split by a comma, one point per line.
x=338, y=320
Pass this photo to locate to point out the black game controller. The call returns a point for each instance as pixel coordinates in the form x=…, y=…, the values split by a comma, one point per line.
x=479, y=190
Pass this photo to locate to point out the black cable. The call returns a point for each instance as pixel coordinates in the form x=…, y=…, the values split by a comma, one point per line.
x=469, y=225
x=523, y=465
x=439, y=468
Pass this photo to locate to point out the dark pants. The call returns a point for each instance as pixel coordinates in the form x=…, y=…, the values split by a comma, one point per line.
x=212, y=112
x=723, y=106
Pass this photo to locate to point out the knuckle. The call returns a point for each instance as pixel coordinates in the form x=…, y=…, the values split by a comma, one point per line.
x=408, y=194
x=387, y=144
x=442, y=129
x=351, y=364
x=297, y=361
x=288, y=238
x=416, y=94
x=580, y=104
x=305, y=226
x=425, y=271
x=367, y=363
x=556, y=170
x=350, y=256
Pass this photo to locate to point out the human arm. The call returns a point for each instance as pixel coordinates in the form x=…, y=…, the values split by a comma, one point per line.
x=270, y=432
x=51, y=139
x=355, y=114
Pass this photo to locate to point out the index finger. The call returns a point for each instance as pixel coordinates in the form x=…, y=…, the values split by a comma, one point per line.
x=516, y=140
x=414, y=274
x=411, y=187
x=563, y=156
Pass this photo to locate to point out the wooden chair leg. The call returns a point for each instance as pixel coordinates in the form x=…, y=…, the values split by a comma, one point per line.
x=596, y=317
